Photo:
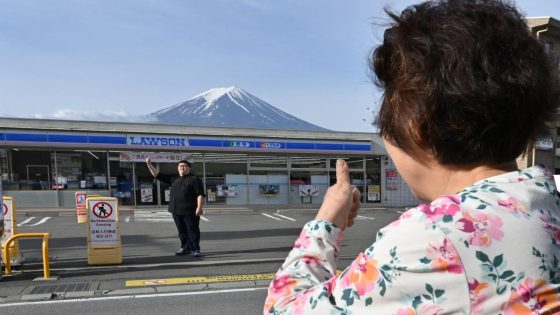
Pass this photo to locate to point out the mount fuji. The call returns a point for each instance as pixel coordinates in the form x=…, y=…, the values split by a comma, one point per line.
x=229, y=107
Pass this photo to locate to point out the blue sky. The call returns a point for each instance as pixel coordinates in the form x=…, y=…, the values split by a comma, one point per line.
x=122, y=59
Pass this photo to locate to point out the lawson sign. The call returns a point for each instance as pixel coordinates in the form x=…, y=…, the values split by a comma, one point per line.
x=156, y=141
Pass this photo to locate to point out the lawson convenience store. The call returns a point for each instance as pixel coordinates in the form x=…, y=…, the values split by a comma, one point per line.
x=44, y=162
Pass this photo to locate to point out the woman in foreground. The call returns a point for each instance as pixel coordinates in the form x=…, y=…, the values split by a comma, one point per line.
x=467, y=89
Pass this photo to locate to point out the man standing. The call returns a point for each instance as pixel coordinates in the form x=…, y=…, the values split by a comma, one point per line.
x=185, y=204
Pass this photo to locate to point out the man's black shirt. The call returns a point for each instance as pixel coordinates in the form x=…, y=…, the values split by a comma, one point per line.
x=184, y=191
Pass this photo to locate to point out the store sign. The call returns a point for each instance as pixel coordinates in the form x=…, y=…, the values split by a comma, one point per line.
x=155, y=157
x=271, y=145
x=238, y=144
x=157, y=141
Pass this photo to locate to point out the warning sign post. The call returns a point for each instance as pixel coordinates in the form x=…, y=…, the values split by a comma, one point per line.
x=103, y=231
x=8, y=208
x=81, y=207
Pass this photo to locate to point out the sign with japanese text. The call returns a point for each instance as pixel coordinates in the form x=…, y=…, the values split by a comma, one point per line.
x=102, y=217
x=156, y=157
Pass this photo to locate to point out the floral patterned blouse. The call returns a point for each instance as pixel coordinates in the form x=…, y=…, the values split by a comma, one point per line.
x=492, y=248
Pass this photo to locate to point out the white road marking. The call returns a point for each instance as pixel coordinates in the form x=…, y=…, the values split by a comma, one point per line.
x=365, y=218
x=43, y=220
x=272, y=217
x=285, y=217
x=205, y=219
x=22, y=223
x=400, y=211
x=134, y=296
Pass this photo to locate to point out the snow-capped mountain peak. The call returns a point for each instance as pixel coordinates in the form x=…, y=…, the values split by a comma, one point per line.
x=230, y=107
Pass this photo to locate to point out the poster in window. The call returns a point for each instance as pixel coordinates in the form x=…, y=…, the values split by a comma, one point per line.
x=269, y=189
x=373, y=193
x=308, y=190
x=146, y=194
x=391, y=179
x=227, y=190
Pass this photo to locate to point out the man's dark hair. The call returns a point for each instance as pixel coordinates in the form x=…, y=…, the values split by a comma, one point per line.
x=186, y=162
x=464, y=79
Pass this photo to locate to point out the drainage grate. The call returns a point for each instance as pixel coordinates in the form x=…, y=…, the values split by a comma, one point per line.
x=61, y=288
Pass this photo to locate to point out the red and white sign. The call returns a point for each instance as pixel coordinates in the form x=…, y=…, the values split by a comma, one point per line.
x=8, y=220
x=81, y=209
x=103, y=230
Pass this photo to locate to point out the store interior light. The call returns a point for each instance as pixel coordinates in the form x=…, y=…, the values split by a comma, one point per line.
x=95, y=156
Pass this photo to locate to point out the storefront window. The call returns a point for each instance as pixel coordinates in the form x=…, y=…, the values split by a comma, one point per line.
x=30, y=170
x=308, y=187
x=268, y=187
x=79, y=170
x=373, y=179
x=226, y=178
x=121, y=181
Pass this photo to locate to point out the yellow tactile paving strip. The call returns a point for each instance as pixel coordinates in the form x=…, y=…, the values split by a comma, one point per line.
x=194, y=280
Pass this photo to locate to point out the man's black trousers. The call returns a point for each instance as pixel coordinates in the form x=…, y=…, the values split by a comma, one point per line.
x=189, y=231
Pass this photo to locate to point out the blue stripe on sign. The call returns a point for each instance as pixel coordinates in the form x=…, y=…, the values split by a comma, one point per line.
x=300, y=146
x=31, y=137
x=68, y=138
x=205, y=143
x=107, y=139
x=357, y=147
x=330, y=146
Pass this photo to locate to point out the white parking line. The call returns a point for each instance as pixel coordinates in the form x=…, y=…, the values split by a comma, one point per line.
x=22, y=223
x=365, y=218
x=272, y=217
x=285, y=217
x=43, y=220
x=205, y=219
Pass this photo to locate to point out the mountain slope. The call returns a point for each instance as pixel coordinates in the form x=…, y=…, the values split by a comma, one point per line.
x=230, y=107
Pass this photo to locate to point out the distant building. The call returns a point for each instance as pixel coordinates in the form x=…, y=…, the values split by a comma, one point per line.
x=547, y=150
x=43, y=163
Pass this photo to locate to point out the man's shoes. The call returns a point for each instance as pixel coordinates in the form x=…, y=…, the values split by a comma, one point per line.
x=196, y=253
x=182, y=252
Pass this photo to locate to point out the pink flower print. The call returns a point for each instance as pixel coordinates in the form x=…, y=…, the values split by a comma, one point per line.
x=429, y=309
x=513, y=205
x=303, y=240
x=311, y=260
x=479, y=293
x=362, y=274
x=444, y=257
x=482, y=227
x=532, y=297
x=281, y=286
x=551, y=227
x=406, y=311
x=442, y=207
x=299, y=302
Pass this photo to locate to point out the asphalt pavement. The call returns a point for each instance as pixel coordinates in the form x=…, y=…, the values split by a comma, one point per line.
x=242, y=248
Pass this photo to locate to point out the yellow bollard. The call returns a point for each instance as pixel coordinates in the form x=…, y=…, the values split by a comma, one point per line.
x=46, y=268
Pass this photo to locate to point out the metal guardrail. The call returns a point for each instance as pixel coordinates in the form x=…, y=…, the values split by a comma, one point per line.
x=45, y=236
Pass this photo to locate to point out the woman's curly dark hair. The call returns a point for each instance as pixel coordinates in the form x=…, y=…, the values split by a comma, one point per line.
x=465, y=79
